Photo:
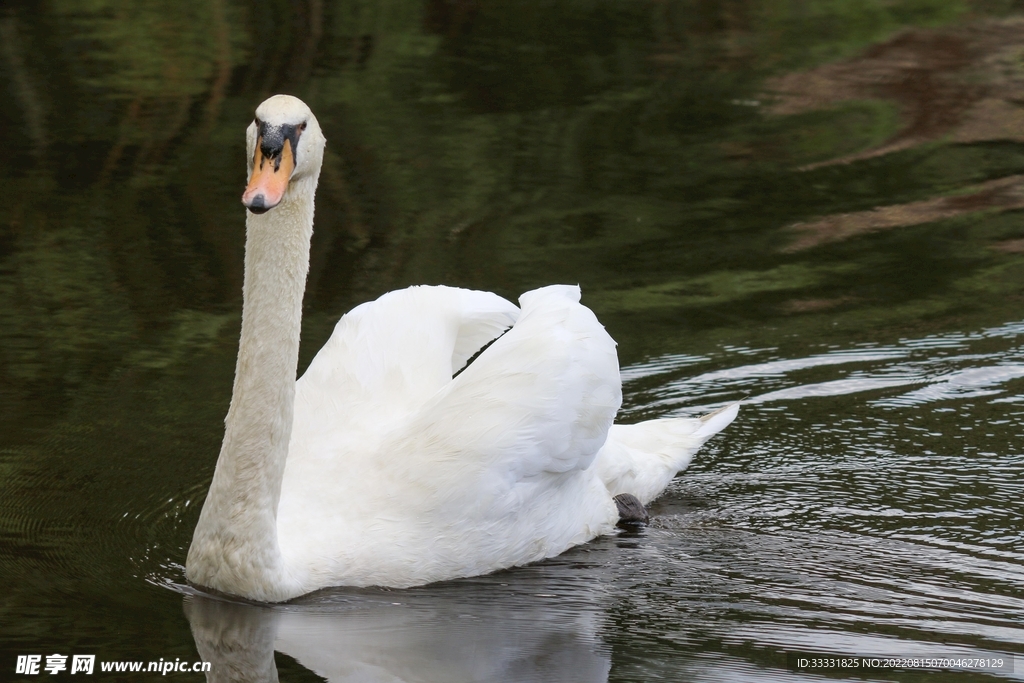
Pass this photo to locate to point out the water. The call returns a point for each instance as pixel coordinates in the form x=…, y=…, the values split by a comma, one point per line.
x=811, y=207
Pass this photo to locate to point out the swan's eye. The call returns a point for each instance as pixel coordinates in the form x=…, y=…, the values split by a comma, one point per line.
x=302, y=127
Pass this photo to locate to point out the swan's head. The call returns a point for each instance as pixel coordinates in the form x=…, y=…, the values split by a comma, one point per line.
x=285, y=144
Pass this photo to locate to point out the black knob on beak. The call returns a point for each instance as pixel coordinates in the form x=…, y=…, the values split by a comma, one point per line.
x=258, y=204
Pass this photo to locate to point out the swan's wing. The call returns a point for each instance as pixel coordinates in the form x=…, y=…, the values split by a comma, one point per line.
x=388, y=356
x=484, y=473
x=538, y=402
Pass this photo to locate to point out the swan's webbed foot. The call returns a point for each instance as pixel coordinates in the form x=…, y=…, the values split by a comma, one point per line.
x=632, y=512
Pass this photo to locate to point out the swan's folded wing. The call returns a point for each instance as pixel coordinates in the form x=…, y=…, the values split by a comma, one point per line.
x=386, y=357
x=539, y=401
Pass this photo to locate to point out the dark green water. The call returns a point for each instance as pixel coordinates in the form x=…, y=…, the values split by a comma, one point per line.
x=815, y=205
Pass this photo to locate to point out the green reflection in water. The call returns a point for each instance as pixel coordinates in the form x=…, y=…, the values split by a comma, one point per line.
x=709, y=172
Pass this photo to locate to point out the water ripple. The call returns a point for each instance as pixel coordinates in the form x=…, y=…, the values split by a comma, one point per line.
x=876, y=370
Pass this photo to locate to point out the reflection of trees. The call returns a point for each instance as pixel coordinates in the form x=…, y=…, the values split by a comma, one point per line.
x=502, y=144
x=963, y=82
x=1003, y=194
x=25, y=94
x=124, y=216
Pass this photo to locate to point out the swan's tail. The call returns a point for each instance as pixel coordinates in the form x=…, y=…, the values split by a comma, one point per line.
x=642, y=459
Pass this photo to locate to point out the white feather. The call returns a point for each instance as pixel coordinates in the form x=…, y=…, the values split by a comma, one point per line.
x=641, y=459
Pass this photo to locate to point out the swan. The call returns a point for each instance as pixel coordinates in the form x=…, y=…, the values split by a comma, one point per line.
x=383, y=464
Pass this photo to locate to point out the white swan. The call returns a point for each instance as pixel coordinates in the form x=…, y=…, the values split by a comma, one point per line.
x=378, y=467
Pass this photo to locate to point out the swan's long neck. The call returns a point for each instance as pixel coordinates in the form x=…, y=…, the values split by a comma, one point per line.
x=235, y=547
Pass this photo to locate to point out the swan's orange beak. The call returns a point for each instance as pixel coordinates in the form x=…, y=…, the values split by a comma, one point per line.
x=270, y=175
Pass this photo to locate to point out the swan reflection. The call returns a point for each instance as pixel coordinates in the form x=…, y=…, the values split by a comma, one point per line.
x=461, y=631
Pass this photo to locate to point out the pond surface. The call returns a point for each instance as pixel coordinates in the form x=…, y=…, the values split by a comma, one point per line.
x=814, y=207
